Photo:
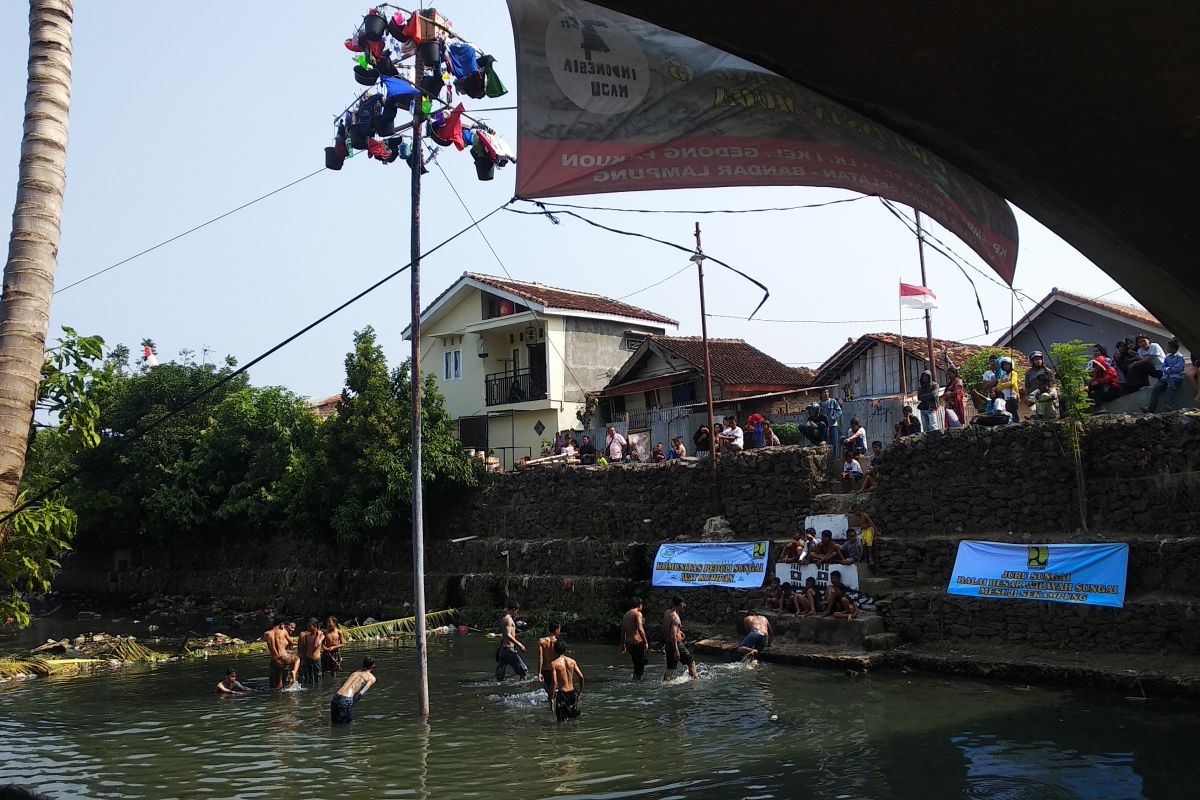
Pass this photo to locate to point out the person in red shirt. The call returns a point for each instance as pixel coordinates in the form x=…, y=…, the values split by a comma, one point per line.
x=1104, y=385
x=952, y=397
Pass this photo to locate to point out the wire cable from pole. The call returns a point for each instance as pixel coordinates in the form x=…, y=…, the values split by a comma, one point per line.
x=136, y=435
x=191, y=230
x=553, y=217
x=706, y=211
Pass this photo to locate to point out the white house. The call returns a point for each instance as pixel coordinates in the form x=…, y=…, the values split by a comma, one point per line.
x=516, y=360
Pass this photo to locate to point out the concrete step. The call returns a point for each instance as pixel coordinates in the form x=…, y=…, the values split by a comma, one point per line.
x=875, y=587
x=882, y=641
x=850, y=634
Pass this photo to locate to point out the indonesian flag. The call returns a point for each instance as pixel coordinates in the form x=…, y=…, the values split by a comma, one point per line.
x=917, y=296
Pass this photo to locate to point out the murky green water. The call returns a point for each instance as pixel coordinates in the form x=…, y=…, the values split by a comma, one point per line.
x=161, y=732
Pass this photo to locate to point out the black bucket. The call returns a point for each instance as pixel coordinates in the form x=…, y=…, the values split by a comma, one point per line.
x=360, y=134
x=432, y=85
x=385, y=123
x=373, y=27
x=430, y=54
x=435, y=135
x=485, y=169
x=332, y=159
x=397, y=31
x=365, y=75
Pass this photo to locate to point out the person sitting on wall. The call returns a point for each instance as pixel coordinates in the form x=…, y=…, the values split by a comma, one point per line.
x=1122, y=358
x=841, y=606
x=856, y=442
x=872, y=475
x=792, y=550
x=732, y=439
x=909, y=424
x=810, y=546
x=677, y=449
x=796, y=602
x=852, y=548
x=852, y=473
x=816, y=426
x=1104, y=384
x=1172, y=376
x=1043, y=399
x=813, y=596
x=787, y=598
x=659, y=454
x=568, y=447
x=1008, y=381
x=826, y=550
x=770, y=438
x=702, y=440
x=1147, y=364
x=997, y=411
x=587, y=451
x=774, y=595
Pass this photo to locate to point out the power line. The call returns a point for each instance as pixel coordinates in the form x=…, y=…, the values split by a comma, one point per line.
x=552, y=216
x=656, y=283
x=816, y=321
x=702, y=211
x=136, y=435
x=190, y=230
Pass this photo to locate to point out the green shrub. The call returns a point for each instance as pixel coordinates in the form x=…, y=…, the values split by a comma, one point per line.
x=788, y=433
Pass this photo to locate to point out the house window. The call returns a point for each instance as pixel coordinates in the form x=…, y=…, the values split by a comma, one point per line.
x=452, y=365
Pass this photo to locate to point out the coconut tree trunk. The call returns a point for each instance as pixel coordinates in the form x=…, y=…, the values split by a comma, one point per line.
x=33, y=244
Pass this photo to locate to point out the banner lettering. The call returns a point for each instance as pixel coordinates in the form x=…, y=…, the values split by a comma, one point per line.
x=731, y=565
x=1091, y=574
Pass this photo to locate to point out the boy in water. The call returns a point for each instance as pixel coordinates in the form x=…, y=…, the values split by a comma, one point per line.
x=758, y=636
x=677, y=652
x=341, y=707
x=633, y=637
x=231, y=686
x=310, y=652
x=507, y=655
x=279, y=644
x=564, y=697
x=331, y=650
x=546, y=657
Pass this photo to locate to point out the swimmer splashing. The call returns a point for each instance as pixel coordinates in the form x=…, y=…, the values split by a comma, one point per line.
x=341, y=707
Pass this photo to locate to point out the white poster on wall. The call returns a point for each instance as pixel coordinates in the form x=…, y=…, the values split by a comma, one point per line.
x=838, y=523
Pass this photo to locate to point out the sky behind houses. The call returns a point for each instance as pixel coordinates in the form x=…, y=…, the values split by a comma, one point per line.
x=186, y=111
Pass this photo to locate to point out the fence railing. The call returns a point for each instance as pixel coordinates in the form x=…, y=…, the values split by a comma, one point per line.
x=514, y=387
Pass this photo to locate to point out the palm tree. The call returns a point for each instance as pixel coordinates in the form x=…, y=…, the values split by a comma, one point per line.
x=33, y=244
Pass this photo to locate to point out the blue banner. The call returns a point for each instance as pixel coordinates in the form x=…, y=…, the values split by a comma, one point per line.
x=732, y=565
x=1093, y=574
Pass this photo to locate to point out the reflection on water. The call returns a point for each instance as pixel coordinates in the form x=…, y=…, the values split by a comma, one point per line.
x=161, y=732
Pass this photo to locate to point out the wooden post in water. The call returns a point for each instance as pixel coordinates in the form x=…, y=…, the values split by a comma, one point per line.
x=708, y=391
x=418, y=532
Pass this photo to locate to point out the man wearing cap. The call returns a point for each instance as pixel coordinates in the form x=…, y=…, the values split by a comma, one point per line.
x=1037, y=366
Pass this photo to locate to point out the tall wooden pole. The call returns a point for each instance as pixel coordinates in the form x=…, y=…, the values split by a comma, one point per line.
x=418, y=532
x=708, y=386
x=928, y=322
x=903, y=376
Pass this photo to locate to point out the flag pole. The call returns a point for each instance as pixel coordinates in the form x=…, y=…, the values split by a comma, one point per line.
x=903, y=377
x=698, y=258
x=928, y=318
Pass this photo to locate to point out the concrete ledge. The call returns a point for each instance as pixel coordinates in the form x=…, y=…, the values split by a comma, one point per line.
x=796, y=655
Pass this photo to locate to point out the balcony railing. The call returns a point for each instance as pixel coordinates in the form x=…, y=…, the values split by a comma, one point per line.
x=501, y=388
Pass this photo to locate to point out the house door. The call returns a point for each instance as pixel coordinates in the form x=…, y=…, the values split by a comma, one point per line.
x=537, y=371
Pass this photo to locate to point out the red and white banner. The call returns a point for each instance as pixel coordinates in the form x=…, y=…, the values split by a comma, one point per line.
x=611, y=103
x=917, y=296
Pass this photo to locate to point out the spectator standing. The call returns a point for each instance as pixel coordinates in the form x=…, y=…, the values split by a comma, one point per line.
x=909, y=424
x=732, y=438
x=1172, y=375
x=952, y=397
x=1104, y=384
x=587, y=451
x=702, y=439
x=816, y=427
x=754, y=427
x=615, y=446
x=1043, y=399
x=927, y=400
x=989, y=380
x=856, y=442
x=1148, y=364
x=832, y=410
x=1037, y=366
x=1008, y=381
x=568, y=449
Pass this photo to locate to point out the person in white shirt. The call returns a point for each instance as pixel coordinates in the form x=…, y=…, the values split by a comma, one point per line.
x=732, y=437
x=1149, y=364
x=852, y=473
x=568, y=449
x=614, y=445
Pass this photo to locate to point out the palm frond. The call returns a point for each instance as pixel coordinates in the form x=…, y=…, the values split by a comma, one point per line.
x=20, y=666
x=398, y=627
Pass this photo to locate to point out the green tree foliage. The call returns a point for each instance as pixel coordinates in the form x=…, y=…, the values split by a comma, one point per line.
x=248, y=460
x=971, y=371
x=788, y=433
x=73, y=382
x=1070, y=365
x=366, y=475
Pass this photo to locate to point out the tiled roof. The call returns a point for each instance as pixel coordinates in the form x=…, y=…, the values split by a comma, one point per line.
x=957, y=352
x=569, y=300
x=735, y=362
x=1134, y=314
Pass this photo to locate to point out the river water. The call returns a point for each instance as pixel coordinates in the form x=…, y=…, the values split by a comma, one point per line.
x=159, y=732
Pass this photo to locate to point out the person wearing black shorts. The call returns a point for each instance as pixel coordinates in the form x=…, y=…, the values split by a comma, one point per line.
x=677, y=652
x=633, y=637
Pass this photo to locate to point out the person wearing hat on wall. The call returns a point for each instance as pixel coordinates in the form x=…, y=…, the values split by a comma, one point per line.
x=816, y=427
x=1008, y=382
x=1037, y=366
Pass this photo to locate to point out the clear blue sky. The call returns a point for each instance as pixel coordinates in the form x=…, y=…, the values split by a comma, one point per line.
x=183, y=111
